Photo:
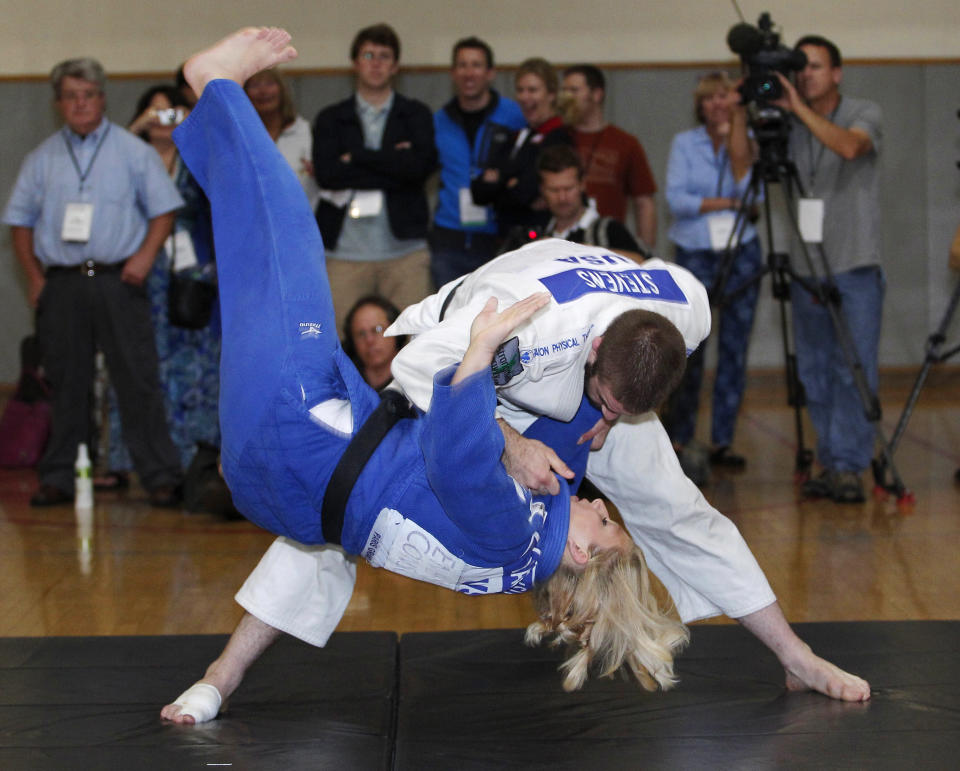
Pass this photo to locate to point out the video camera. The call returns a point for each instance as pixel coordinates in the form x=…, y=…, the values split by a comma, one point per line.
x=761, y=53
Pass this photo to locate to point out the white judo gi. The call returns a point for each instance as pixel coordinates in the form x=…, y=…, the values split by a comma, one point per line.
x=696, y=552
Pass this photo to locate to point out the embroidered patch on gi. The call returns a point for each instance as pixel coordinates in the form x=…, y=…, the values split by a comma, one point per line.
x=311, y=329
x=506, y=363
x=654, y=284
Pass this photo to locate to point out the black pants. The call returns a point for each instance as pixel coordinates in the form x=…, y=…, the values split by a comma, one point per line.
x=76, y=315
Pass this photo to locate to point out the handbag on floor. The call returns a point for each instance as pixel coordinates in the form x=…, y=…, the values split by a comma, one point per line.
x=25, y=423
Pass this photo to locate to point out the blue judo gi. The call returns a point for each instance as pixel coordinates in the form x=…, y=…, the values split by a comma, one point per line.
x=433, y=501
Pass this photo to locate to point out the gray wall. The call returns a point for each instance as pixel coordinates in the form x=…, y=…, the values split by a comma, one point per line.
x=921, y=198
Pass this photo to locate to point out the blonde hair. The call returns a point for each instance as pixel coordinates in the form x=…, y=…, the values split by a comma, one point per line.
x=288, y=111
x=608, y=616
x=707, y=86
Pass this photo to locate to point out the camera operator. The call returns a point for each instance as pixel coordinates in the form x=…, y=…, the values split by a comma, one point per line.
x=835, y=144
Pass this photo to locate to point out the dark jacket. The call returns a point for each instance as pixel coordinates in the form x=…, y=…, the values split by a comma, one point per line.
x=515, y=156
x=400, y=173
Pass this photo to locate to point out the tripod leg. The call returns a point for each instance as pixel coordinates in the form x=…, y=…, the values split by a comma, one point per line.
x=934, y=355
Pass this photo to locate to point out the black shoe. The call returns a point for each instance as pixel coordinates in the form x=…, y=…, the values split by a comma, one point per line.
x=693, y=461
x=723, y=457
x=821, y=486
x=847, y=488
x=48, y=495
x=165, y=497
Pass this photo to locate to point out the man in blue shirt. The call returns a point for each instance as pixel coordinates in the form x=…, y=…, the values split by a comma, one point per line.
x=90, y=209
x=464, y=235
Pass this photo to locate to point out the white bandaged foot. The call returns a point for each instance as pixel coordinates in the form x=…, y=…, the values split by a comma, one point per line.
x=201, y=701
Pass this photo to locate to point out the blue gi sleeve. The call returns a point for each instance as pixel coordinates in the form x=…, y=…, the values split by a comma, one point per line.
x=462, y=445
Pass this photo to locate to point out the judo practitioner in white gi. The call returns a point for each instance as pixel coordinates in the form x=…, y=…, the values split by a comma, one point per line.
x=697, y=553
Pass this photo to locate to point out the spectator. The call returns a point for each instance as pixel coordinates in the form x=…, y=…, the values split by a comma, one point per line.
x=464, y=234
x=835, y=144
x=372, y=154
x=189, y=359
x=573, y=215
x=615, y=165
x=271, y=98
x=708, y=172
x=363, y=339
x=510, y=182
x=91, y=207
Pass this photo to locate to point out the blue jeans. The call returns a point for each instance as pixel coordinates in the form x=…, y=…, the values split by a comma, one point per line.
x=845, y=437
x=733, y=338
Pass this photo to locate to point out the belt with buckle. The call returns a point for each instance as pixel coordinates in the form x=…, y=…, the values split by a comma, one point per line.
x=88, y=268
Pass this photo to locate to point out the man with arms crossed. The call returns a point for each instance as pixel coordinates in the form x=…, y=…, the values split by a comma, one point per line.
x=372, y=154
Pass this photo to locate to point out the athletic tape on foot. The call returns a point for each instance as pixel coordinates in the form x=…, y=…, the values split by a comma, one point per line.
x=201, y=701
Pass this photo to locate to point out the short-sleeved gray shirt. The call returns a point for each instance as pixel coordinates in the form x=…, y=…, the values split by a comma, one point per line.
x=850, y=189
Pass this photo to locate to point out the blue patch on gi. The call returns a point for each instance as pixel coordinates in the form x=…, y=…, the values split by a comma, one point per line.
x=506, y=362
x=643, y=284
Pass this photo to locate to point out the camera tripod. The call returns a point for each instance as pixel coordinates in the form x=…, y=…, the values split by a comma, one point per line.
x=773, y=166
x=934, y=355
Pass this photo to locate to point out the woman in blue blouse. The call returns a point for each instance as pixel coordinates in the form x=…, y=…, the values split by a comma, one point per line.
x=707, y=174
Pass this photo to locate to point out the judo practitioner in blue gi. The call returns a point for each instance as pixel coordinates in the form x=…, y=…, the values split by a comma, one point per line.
x=427, y=496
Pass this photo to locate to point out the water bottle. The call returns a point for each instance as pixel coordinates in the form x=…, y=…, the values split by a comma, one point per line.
x=83, y=479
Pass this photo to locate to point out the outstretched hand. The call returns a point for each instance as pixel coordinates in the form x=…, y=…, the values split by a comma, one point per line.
x=491, y=327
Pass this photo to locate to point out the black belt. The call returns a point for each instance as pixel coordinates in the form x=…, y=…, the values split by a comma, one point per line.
x=393, y=407
x=87, y=268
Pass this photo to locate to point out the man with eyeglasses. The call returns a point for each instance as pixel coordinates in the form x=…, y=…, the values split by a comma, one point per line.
x=91, y=207
x=372, y=154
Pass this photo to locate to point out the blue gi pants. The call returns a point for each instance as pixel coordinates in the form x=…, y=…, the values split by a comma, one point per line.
x=281, y=354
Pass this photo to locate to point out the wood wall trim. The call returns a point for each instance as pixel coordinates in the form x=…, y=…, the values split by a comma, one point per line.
x=433, y=68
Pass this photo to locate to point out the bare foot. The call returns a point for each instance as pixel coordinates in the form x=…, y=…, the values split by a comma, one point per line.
x=206, y=700
x=239, y=56
x=812, y=673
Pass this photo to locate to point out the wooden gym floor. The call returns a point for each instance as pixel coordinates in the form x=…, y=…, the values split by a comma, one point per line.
x=137, y=570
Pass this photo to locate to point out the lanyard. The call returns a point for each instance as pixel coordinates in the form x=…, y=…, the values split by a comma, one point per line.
x=76, y=164
x=815, y=164
x=720, y=164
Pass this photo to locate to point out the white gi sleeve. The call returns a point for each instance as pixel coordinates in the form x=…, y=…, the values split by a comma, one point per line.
x=696, y=552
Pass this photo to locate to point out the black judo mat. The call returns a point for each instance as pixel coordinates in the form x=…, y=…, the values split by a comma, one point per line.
x=480, y=700
x=94, y=703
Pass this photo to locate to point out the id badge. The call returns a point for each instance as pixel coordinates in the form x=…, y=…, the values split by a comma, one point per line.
x=77, y=222
x=366, y=203
x=721, y=227
x=179, y=248
x=470, y=213
x=810, y=219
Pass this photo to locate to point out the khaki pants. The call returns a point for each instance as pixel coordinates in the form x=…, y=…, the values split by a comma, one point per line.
x=403, y=281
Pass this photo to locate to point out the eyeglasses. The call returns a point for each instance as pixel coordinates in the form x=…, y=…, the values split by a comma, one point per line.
x=380, y=56
x=363, y=334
